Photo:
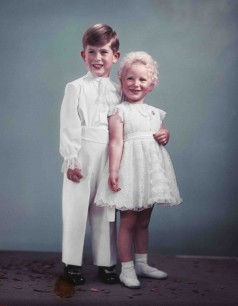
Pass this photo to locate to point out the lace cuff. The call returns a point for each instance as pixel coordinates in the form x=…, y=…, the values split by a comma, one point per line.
x=70, y=163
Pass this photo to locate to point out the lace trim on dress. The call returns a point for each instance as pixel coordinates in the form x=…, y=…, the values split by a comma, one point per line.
x=161, y=200
x=166, y=202
x=101, y=203
x=70, y=163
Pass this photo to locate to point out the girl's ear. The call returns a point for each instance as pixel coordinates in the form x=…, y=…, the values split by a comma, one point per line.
x=83, y=55
x=151, y=86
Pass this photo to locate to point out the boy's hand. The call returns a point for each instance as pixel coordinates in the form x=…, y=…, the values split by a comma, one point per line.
x=113, y=182
x=162, y=136
x=75, y=175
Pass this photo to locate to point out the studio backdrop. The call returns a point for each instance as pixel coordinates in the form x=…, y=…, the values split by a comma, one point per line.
x=195, y=44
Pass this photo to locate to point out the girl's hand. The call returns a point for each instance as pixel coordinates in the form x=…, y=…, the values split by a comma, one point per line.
x=75, y=175
x=113, y=182
x=162, y=136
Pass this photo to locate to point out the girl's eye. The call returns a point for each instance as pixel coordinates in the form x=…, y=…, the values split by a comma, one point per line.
x=129, y=78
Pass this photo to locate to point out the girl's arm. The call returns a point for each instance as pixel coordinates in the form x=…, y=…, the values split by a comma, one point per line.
x=115, y=150
x=162, y=136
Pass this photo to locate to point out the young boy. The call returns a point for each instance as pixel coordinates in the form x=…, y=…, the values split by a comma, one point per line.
x=83, y=145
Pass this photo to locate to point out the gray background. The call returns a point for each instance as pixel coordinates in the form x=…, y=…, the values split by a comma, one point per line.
x=195, y=43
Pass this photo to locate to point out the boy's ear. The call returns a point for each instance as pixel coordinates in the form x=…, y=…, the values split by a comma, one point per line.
x=116, y=56
x=83, y=55
x=151, y=86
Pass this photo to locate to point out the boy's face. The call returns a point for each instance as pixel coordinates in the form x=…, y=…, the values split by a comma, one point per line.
x=99, y=60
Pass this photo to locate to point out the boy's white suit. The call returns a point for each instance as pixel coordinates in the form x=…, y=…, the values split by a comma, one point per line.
x=84, y=143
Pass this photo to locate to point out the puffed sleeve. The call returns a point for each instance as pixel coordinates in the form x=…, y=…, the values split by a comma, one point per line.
x=70, y=128
x=113, y=110
x=162, y=114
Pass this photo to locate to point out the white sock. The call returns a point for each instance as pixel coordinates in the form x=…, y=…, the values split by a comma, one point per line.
x=127, y=265
x=141, y=258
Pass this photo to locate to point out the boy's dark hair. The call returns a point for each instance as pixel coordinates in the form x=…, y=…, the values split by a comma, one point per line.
x=99, y=35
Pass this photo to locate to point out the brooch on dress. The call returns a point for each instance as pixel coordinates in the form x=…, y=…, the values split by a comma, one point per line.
x=153, y=113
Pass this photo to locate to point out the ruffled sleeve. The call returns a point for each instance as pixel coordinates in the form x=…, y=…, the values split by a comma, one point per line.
x=70, y=128
x=113, y=110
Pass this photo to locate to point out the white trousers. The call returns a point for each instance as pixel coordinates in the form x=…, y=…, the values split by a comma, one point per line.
x=78, y=206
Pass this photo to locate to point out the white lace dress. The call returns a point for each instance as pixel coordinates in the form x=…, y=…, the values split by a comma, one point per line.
x=146, y=174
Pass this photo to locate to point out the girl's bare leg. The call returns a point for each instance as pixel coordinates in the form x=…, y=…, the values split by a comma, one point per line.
x=141, y=247
x=126, y=233
x=141, y=233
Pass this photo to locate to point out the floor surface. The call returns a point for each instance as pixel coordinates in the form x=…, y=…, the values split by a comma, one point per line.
x=32, y=278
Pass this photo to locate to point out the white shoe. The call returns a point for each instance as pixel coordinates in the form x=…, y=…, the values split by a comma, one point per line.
x=129, y=279
x=145, y=270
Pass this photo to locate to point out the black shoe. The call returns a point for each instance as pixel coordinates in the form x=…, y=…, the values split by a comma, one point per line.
x=74, y=273
x=108, y=275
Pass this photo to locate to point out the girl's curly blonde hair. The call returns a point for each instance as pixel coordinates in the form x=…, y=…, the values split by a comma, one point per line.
x=143, y=58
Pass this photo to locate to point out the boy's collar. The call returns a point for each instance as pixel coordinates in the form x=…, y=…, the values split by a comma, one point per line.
x=92, y=77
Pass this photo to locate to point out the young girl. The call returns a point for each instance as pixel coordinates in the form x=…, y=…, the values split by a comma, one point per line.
x=140, y=170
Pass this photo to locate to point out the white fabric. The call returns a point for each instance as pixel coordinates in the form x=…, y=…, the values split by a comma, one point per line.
x=146, y=173
x=144, y=270
x=128, y=275
x=141, y=257
x=86, y=103
x=84, y=141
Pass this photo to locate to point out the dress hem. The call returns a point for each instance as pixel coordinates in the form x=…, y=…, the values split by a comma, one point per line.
x=164, y=203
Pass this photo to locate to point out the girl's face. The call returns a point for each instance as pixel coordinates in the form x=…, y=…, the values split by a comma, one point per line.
x=99, y=60
x=136, y=83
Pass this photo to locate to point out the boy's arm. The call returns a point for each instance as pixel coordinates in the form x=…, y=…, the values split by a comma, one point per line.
x=162, y=136
x=70, y=133
x=115, y=150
